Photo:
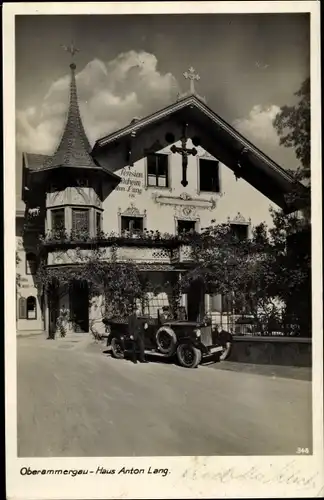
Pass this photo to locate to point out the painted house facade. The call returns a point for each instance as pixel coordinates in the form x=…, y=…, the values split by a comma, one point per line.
x=178, y=170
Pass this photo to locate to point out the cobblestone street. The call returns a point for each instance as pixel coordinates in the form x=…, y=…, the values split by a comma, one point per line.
x=75, y=400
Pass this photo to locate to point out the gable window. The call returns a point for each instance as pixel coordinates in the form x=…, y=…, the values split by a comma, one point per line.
x=158, y=170
x=31, y=308
x=80, y=221
x=132, y=224
x=186, y=226
x=240, y=231
x=31, y=263
x=209, y=175
x=57, y=219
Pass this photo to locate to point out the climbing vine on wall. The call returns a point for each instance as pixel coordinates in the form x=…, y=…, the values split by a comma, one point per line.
x=120, y=283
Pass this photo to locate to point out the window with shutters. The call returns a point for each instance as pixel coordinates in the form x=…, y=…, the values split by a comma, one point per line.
x=158, y=170
x=31, y=308
x=31, y=263
x=22, y=308
x=209, y=176
x=80, y=221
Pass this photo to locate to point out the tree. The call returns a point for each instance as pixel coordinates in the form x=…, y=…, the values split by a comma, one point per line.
x=293, y=127
x=242, y=269
x=260, y=274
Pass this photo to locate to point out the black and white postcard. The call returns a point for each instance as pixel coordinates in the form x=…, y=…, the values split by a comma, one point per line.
x=163, y=274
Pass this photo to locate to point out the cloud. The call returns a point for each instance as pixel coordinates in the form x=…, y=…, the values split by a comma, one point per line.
x=258, y=126
x=110, y=95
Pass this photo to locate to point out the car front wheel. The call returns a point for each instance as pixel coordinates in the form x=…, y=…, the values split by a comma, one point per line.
x=188, y=355
x=117, y=348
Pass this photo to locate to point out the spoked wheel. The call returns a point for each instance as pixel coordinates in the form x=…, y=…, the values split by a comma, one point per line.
x=188, y=356
x=117, y=348
x=165, y=341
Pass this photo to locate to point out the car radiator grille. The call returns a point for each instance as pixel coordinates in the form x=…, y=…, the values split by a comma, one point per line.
x=206, y=335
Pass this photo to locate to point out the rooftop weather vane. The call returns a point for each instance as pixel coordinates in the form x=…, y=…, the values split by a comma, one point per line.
x=72, y=49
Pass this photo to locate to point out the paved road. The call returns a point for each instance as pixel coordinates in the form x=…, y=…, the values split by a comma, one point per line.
x=73, y=400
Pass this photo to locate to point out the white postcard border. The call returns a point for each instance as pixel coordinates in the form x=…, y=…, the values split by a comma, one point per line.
x=190, y=477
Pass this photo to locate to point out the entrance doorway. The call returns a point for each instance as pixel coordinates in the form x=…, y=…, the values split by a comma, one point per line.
x=196, y=302
x=79, y=304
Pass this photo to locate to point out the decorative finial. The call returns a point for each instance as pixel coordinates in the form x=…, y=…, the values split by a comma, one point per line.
x=72, y=49
x=192, y=76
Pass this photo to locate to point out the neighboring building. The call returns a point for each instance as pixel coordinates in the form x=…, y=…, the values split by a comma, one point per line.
x=176, y=170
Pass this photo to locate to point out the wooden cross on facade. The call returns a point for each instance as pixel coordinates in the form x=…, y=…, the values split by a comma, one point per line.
x=185, y=152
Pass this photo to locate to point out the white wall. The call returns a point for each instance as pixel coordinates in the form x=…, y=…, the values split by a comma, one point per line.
x=26, y=289
x=236, y=197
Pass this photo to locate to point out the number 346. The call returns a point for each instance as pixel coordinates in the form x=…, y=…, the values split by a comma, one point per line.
x=302, y=451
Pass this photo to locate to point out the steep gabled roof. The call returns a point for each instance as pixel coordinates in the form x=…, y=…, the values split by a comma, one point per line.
x=217, y=137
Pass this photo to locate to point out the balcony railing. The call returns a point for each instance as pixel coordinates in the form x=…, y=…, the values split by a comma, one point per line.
x=146, y=237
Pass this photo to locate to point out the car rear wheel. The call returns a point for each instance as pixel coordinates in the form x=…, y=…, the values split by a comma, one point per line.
x=117, y=348
x=166, y=341
x=188, y=355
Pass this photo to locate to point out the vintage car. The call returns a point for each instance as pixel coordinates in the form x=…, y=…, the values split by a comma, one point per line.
x=188, y=341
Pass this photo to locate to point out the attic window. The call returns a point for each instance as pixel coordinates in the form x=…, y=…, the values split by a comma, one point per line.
x=209, y=175
x=158, y=170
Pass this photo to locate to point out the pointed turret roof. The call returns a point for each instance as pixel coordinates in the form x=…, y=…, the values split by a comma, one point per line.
x=73, y=151
x=74, y=147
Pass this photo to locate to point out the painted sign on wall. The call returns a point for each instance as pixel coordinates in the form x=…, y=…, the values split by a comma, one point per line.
x=131, y=183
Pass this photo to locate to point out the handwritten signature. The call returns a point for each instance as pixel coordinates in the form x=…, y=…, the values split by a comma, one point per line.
x=286, y=475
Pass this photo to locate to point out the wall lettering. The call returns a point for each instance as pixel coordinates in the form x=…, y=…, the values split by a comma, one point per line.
x=131, y=182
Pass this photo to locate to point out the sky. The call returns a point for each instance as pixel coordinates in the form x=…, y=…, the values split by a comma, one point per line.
x=132, y=65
